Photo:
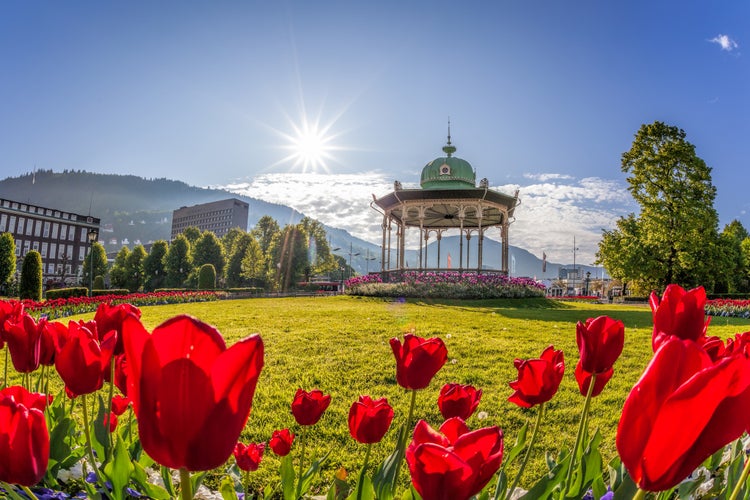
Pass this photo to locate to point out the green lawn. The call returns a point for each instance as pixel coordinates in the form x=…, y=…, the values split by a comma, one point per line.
x=340, y=345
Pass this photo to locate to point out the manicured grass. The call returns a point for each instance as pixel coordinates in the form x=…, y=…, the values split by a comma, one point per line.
x=340, y=345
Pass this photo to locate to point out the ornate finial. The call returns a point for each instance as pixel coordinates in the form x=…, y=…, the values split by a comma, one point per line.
x=449, y=148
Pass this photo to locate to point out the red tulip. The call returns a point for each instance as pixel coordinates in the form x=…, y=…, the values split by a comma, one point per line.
x=48, y=343
x=110, y=317
x=538, y=379
x=8, y=310
x=680, y=314
x=453, y=464
x=458, y=400
x=370, y=419
x=24, y=439
x=121, y=374
x=418, y=360
x=248, y=457
x=81, y=360
x=119, y=404
x=23, y=335
x=308, y=407
x=600, y=342
x=110, y=421
x=192, y=396
x=684, y=408
x=281, y=442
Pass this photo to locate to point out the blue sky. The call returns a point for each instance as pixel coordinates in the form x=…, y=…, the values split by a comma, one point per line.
x=542, y=96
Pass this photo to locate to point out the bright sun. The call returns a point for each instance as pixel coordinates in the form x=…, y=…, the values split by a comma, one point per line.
x=310, y=146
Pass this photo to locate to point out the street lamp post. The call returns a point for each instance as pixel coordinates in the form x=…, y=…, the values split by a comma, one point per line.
x=93, y=235
x=588, y=281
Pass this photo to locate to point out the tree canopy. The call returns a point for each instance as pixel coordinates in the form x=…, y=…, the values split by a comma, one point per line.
x=674, y=238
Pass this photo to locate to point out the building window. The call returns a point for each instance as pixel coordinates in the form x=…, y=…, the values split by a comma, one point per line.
x=26, y=247
x=50, y=269
x=46, y=229
x=3, y=222
x=55, y=227
x=44, y=250
x=12, y=224
x=84, y=235
x=81, y=253
x=35, y=246
x=29, y=227
x=70, y=251
x=63, y=231
x=21, y=225
x=71, y=233
x=52, y=250
x=38, y=229
x=18, y=248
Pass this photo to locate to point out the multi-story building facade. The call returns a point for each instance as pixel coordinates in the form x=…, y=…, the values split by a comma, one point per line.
x=62, y=238
x=217, y=216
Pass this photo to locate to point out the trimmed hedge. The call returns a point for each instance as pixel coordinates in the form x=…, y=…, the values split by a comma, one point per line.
x=31, y=277
x=66, y=293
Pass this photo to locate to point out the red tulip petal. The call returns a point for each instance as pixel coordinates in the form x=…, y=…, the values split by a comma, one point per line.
x=438, y=474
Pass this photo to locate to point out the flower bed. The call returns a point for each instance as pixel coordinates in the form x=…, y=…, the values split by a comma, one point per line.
x=728, y=307
x=186, y=397
x=60, y=308
x=447, y=285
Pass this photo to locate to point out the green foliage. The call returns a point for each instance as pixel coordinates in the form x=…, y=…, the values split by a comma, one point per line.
x=265, y=231
x=119, y=272
x=253, y=264
x=99, y=283
x=243, y=246
x=674, y=238
x=134, y=268
x=192, y=234
x=154, y=270
x=208, y=250
x=31, y=277
x=7, y=258
x=66, y=293
x=321, y=259
x=177, y=262
x=99, y=255
x=207, y=277
x=288, y=253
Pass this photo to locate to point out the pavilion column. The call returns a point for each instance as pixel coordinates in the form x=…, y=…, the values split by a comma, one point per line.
x=388, y=257
x=426, y=240
x=461, y=215
x=506, y=247
x=401, y=240
x=439, y=237
x=480, y=250
x=468, y=247
x=382, y=246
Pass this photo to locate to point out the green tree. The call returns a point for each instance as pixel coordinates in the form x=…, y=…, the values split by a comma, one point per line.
x=119, y=272
x=154, y=271
x=235, y=255
x=98, y=254
x=289, y=256
x=7, y=258
x=676, y=229
x=321, y=258
x=192, y=234
x=134, y=266
x=31, y=277
x=265, y=231
x=208, y=250
x=177, y=262
x=732, y=277
x=253, y=268
x=227, y=241
x=207, y=277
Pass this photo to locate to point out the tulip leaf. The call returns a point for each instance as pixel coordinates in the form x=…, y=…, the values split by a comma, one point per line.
x=226, y=489
x=118, y=470
x=287, y=478
x=10, y=490
x=314, y=469
x=140, y=478
x=518, y=446
x=501, y=485
x=364, y=489
x=101, y=430
x=196, y=480
x=549, y=482
x=166, y=477
x=384, y=480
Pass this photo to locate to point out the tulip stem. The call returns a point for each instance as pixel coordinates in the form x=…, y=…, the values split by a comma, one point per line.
x=579, y=436
x=540, y=412
x=186, y=487
x=741, y=482
x=405, y=436
x=87, y=434
x=110, y=444
x=28, y=492
x=360, y=481
x=301, y=460
x=639, y=495
x=246, y=483
x=5, y=376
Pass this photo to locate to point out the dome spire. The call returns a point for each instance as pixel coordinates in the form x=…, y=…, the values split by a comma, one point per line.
x=449, y=148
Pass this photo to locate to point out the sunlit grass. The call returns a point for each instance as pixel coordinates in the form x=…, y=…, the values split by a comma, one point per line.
x=340, y=345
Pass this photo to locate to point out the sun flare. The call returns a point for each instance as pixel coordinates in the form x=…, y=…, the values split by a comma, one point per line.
x=310, y=147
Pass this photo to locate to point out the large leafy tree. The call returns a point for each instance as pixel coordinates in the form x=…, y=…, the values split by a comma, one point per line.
x=177, y=262
x=243, y=245
x=192, y=233
x=97, y=257
x=265, y=231
x=154, y=271
x=321, y=258
x=288, y=256
x=209, y=250
x=7, y=258
x=674, y=238
x=253, y=264
x=119, y=273
x=733, y=277
x=134, y=265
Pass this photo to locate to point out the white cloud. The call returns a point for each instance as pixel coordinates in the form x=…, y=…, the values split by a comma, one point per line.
x=547, y=177
x=549, y=216
x=725, y=42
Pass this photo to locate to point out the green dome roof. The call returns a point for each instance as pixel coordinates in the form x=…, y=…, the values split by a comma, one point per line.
x=448, y=172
